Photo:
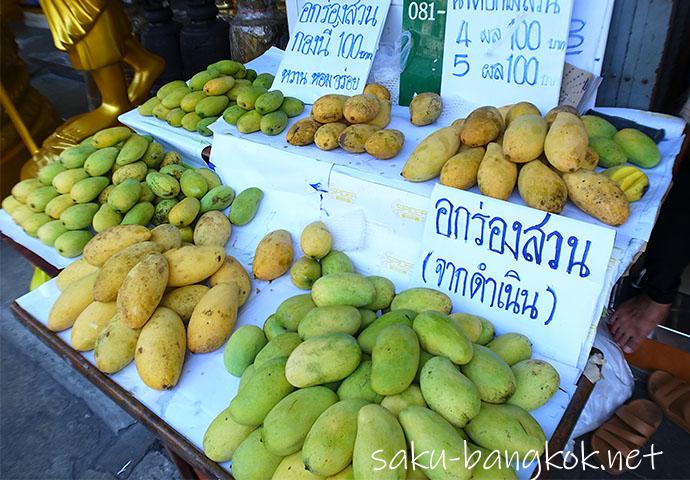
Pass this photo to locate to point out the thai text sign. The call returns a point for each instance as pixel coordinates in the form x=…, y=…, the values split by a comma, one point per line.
x=499, y=52
x=526, y=270
x=331, y=48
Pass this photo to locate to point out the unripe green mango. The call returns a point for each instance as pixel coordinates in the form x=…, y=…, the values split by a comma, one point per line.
x=239, y=87
x=190, y=121
x=252, y=460
x=336, y=262
x=171, y=158
x=21, y=213
x=448, y=392
x=368, y=317
x=487, y=332
x=330, y=443
x=33, y=222
x=358, y=385
x=110, y=136
x=269, y=102
x=173, y=99
x=105, y=218
x=136, y=170
x=227, y=67
x=273, y=328
x=211, y=177
x=101, y=161
x=88, y=189
x=198, y=81
x=470, y=325
x=160, y=112
x=47, y=173
x=249, y=122
x=367, y=339
x=336, y=318
x=223, y=436
x=146, y=194
x=160, y=214
x=263, y=391
x=288, y=423
x=273, y=123
x=154, y=155
x=175, y=116
x=139, y=214
x=638, y=147
x=610, y=153
x=304, y=272
x=421, y=300
x=162, y=185
x=507, y=428
x=74, y=157
x=245, y=206
x=280, y=346
x=39, y=198
x=71, y=244
x=219, y=85
x=211, y=106
x=292, y=310
x=495, y=471
x=21, y=190
x=189, y=101
x=384, y=293
x=146, y=108
x=491, y=374
x=64, y=181
x=536, y=382
x=292, y=106
x=192, y=184
x=174, y=170
x=57, y=205
x=50, y=231
x=246, y=376
x=217, y=198
x=432, y=433
x=263, y=80
x=324, y=359
x=78, y=217
x=411, y=396
x=394, y=360
x=169, y=87
x=185, y=212
x=440, y=336
x=598, y=127
x=9, y=204
x=103, y=196
x=378, y=431
x=233, y=113
x=292, y=468
x=241, y=350
x=511, y=347
x=202, y=128
x=247, y=97
x=424, y=357
x=343, y=289
x=125, y=195
x=134, y=148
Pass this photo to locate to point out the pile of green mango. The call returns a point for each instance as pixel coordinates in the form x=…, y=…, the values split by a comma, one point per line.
x=617, y=147
x=114, y=177
x=345, y=378
x=228, y=89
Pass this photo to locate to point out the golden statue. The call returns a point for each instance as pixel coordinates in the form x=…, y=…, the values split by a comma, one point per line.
x=97, y=36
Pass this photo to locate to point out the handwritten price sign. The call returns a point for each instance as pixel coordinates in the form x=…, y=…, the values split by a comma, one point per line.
x=331, y=48
x=525, y=270
x=503, y=51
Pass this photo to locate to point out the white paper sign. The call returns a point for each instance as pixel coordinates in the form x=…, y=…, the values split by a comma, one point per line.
x=499, y=52
x=331, y=48
x=526, y=270
x=589, y=28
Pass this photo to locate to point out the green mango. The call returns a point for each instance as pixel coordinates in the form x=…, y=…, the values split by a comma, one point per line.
x=175, y=169
x=125, y=195
x=146, y=108
x=511, y=347
x=336, y=318
x=103, y=196
x=252, y=460
x=247, y=97
x=241, y=74
x=292, y=106
x=198, y=81
x=343, y=289
x=184, y=212
x=638, y=147
x=394, y=360
x=47, y=173
x=227, y=67
x=241, y=350
x=202, y=126
x=39, y=198
x=33, y=222
x=246, y=376
x=105, y=218
x=304, y=272
x=101, y=161
x=173, y=99
x=188, y=103
x=50, y=231
x=21, y=213
x=249, y=122
x=440, y=336
x=111, y=136
x=192, y=184
x=160, y=112
x=136, y=171
x=154, y=155
x=324, y=359
x=74, y=157
x=57, y=205
x=223, y=436
x=367, y=339
x=162, y=185
x=269, y=102
x=536, y=382
x=292, y=310
x=421, y=300
x=250, y=74
x=160, y=214
x=378, y=431
x=245, y=206
x=368, y=317
x=139, y=214
x=610, y=153
x=88, y=189
x=171, y=158
x=239, y=87
x=169, y=87
x=71, y=244
x=273, y=328
x=491, y=374
x=146, y=194
x=448, y=392
x=134, y=148
x=278, y=347
x=21, y=190
x=358, y=385
x=9, y=204
x=412, y=396
x=487, y=332
x=211, y=106
x=79, y=217
x=211, y=177
x=336, y=262
x=470, y=325
x=598, y=127
x=233, y=113
x=190, y=121
x=263, y=80
x=273, y=123
x=385, y=292
x=174, y=117
x=424, y=357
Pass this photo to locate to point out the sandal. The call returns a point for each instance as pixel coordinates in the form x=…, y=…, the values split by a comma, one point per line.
x=673, y=396
x=629, y=429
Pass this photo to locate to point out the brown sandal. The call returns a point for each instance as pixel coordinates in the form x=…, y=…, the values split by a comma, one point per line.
x=673, y=396
x=629, y=429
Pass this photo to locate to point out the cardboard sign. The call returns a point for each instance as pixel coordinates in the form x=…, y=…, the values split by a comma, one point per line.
x=331, y=48
x=525, y=270
x=502, y=52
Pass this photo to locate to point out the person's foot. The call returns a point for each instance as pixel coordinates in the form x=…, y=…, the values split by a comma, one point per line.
x=635, y=319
